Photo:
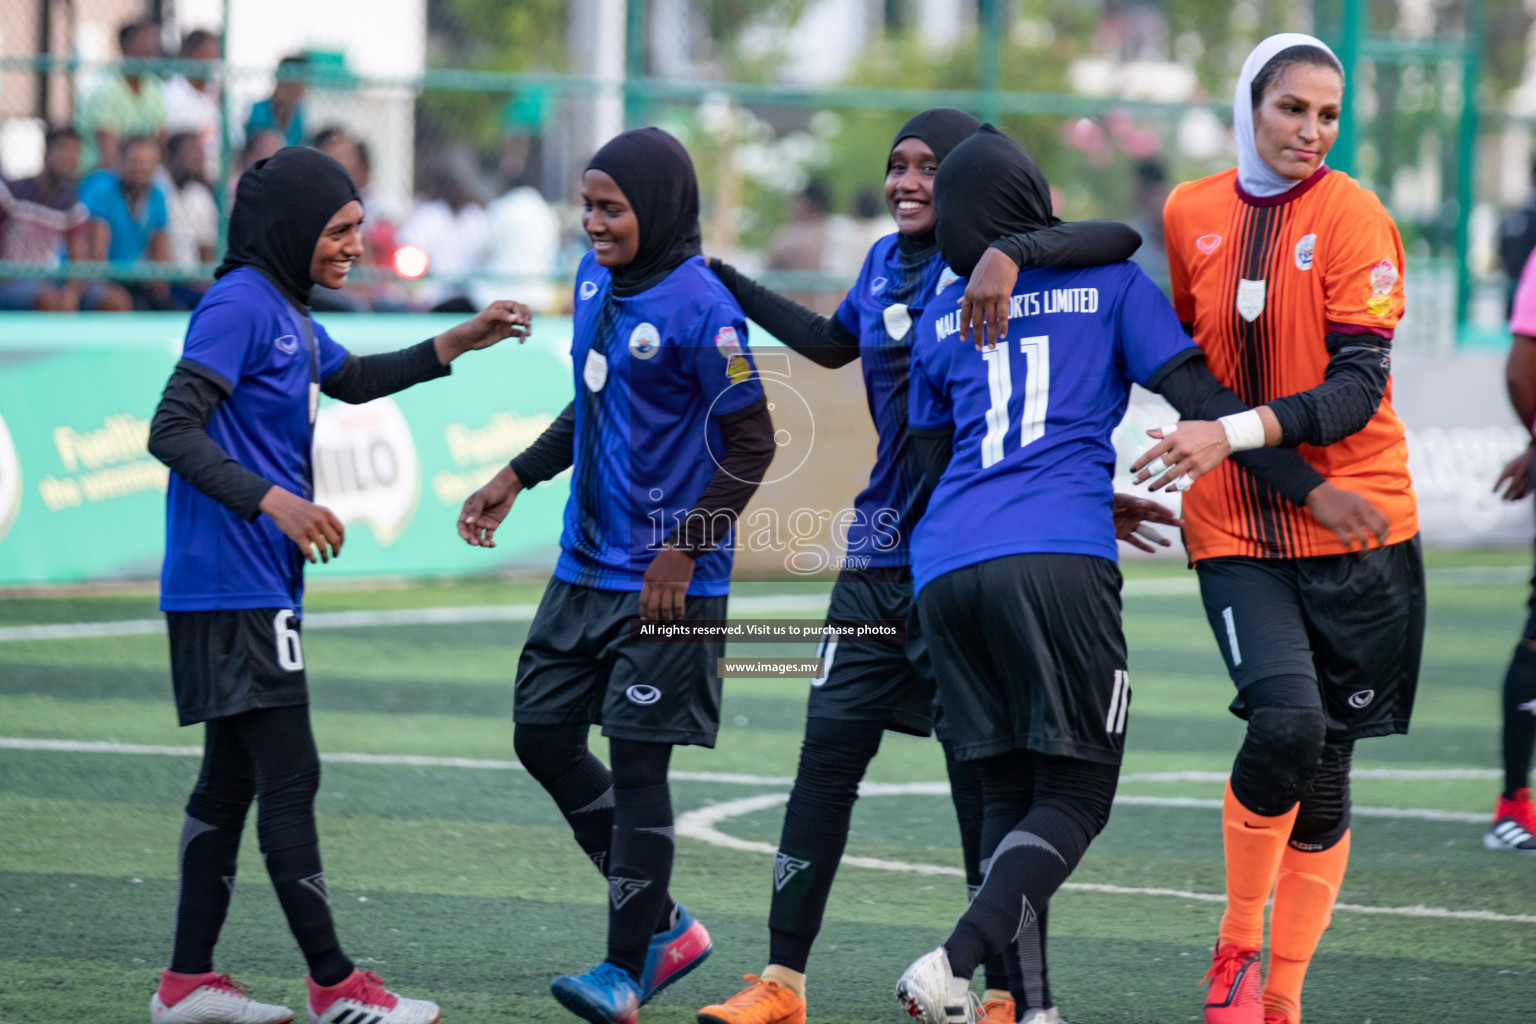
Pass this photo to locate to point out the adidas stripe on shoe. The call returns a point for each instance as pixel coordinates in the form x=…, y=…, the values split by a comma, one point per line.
x=363, y=999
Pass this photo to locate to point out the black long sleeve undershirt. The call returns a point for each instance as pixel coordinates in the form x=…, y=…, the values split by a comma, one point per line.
x=748, y=441
x=551, y=453
x=825, y=341
x=363, y=378
x=1190, y=387
x=178, y=434
x=1351, y=392
x=178, y=437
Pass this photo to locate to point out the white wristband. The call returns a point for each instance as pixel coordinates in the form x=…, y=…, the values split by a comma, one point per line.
x=1245, y=430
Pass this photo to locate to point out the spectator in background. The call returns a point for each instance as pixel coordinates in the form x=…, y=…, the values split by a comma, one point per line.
x=192, y=216
x=802, y=244
x=258, y=146
x=124, y=104
x=1151, y=192
x=192, y=102
x=134, y=210
x=449, y=224
x=284, y=109
x=381, y=236
x=523, y=233
x=43, y=221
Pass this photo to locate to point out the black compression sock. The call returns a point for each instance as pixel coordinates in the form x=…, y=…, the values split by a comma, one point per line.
x=810, y=849
x=205, y=880
x=585, y=796
x=640, y=868
x=300, y=883
x=1519, y=719
x=970, y=812
x=1029, y=866
x=1029, y=981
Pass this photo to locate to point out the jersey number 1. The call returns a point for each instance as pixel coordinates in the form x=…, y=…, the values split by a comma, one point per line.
x=1037, y=395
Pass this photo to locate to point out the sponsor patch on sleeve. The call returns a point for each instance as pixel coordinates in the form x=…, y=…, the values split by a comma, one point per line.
x=738, y=369
x=726, y=342
x=1383, y=278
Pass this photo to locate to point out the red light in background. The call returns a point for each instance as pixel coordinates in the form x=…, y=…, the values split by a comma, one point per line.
x=410, y=261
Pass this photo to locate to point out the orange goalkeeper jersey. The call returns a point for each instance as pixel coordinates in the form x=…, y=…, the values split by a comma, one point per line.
x=1264, y=281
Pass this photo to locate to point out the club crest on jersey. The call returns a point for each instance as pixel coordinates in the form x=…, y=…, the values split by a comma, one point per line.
x=595, y=371
x=1304, y=249
x=1250, y=299
x=287, y=344
x=645, y=341
x=877, y=285
x=587, y=290
x=947, y=277
x=1207, y=243
x=1383, y=278
x=898, y=321
x=622, y=890
x=786, y=867
x=726, y=342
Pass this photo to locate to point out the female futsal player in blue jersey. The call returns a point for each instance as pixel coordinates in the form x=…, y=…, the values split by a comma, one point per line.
x=236, y=425
x=867, y=688
x=670, y=425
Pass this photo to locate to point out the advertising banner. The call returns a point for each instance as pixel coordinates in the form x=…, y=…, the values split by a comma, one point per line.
x=81, y=498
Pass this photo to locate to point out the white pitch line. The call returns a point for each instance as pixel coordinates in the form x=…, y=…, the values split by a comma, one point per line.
x=440, y=616
x=701, y=825
x=866, y=788
x=815, y=604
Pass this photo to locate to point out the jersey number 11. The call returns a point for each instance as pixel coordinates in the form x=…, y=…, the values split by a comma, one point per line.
x=1037, y=394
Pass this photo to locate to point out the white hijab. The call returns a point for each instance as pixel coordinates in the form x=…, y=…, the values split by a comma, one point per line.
x=1255, y=176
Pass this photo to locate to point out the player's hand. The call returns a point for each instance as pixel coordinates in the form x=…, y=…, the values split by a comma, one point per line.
x=1132, y=514
x=1183, y=454
x=985, y=302
x=665, y=590
x=500, y=320
x=308, y=525
x=1351, y=517
x=484, y=510
x=1517, y=475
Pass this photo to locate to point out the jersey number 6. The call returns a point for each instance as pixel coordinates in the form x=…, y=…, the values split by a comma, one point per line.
x=1037, y=394
x=290, y=655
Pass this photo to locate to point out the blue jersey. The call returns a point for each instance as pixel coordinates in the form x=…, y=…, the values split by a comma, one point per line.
x=880, y=310
x=651, y=371
x=248, y=333
x=1032, y=465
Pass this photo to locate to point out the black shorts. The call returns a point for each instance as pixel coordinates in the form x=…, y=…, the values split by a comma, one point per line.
x=226, y=662
x=1028, y=654
x=1355, y=623
x=875, y=682
x=579, y=666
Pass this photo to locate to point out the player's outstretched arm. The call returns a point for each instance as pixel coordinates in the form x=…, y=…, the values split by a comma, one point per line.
x=821, y=339
x=1084, y=243
x=179, y=438
x=1186, y=451
x=364, y=378
x=550, y=454
x=1520, y=379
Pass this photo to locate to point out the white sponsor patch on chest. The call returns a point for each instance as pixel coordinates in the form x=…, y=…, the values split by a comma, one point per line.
x=1250, y=299
x=595, y=370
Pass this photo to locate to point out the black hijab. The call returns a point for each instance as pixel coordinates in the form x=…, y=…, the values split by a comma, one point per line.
x=988, y=189
x=653, y=171
x=941, y=129
x=282, y=205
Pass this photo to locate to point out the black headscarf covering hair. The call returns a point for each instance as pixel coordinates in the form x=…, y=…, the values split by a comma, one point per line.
x=941, y=129
x=653, y=171
x=989, y=188
x=282, y=205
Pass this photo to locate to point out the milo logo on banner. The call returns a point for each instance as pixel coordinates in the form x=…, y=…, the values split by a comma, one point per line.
x=10, y=480
x=366, y=468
